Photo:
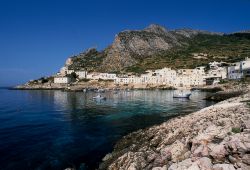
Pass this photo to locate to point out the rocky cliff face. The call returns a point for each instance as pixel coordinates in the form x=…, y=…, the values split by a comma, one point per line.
x=155, y=47
x=130, y=47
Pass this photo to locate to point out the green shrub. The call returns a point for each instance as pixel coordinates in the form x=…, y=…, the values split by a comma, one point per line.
x=105, y=80
x=84, y=80
x=236, y=130
x=223, y=82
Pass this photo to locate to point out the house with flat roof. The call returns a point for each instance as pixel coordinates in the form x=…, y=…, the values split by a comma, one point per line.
x=239, y=70
x=63, y=79
x=82, y=74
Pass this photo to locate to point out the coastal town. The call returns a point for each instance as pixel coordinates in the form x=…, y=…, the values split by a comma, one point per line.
x=125, y=85
x=211, y=74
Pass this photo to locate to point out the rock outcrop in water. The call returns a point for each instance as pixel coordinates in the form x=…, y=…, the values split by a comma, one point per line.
x=214, y=138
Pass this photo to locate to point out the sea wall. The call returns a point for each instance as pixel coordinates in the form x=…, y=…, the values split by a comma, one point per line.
x=214, y=138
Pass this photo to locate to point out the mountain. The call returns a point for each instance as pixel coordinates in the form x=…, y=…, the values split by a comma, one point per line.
x=156, y=47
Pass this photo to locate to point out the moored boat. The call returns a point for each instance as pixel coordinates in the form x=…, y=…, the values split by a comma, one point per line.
x=99, y=97
x=182, y=94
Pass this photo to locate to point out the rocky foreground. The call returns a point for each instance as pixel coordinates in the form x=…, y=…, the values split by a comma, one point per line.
x=214, y=138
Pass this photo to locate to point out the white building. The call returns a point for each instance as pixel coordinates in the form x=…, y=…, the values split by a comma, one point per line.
x=200, y=55
x=103, y=76
x=245, y=67
x=122, y=80
x=189, y=80
x=145, y=78
x=128, y=79
x=166, y=76
x=246, y=63
x=190, y=77
x=81, y=74
x=214, y=65
x=220, y=72
x=93, y=76
x=200, y=70
x=215, y=75
x=234, y=72
x=107, y=76
x=62, y=79
x=64, y=71
x=239, y=70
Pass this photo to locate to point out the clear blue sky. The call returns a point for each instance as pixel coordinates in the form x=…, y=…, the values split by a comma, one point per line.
x=36, y=36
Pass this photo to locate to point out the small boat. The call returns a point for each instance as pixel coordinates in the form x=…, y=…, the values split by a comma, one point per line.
x=182, y=95
x=84, y=90
x=99, y=97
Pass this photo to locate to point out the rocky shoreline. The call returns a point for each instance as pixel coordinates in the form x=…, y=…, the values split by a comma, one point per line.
x=91, y=85
x=110, y=85
x=222, y=95
x=214, y=138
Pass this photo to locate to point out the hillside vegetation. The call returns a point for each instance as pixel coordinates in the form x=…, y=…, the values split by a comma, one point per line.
x=156, y=47
x=230, y=48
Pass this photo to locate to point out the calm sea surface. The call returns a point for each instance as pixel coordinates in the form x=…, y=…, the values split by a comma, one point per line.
x=55, y=130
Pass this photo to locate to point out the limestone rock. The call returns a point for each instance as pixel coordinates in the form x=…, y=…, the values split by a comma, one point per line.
x=160, y=168
x=223, y=167
x=177, y=150
x=246, y=159
x=204, y=163
x=245, y=166
x=218, y=152
x=181, y=165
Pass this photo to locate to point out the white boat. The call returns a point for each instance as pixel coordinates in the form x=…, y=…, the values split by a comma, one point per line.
x=99, y=97
x=182, y=94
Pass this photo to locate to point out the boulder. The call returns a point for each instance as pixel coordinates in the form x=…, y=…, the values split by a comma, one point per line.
x=201, y=151
x=160, y=168
x=194, y=167
x=177, y=151
x=233, y=159
x=218, y=152
x=223, y=167
x=247, y=124
x=245, y=167
x=204, y=163
x=208, y=135
x=185, y=164
x=246, y=159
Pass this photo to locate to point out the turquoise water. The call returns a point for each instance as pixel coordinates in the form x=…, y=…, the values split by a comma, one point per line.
x=55, y=129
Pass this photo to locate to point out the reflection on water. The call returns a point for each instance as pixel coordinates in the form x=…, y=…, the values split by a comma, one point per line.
x=55, y=130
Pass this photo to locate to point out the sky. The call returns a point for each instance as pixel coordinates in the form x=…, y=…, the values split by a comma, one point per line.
x=37, y=36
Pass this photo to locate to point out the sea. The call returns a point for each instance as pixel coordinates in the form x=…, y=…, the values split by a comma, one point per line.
x=52, y=129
